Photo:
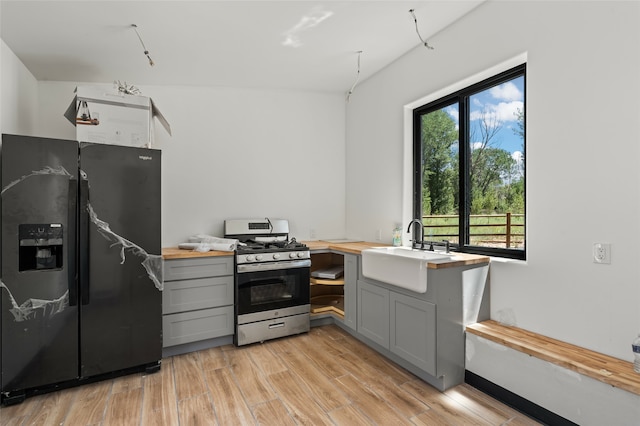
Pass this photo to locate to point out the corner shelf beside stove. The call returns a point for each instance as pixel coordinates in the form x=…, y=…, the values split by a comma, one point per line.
x=327, y=295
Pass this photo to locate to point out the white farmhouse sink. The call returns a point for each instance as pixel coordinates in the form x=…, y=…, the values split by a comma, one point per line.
x=400, y=266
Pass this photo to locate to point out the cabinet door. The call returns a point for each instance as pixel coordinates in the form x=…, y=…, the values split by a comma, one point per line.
x=373, y=313
x=350, y=292
x=413, y=331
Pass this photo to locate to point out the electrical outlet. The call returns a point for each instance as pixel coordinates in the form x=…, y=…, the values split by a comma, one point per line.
x=312, y=234
x=602, y=253
x=379, y=235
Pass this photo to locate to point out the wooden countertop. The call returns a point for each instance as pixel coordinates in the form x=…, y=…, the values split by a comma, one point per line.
x=356, y=247
x=351, y=247
x=177, y=253
x=458, y=259
x=607, y=369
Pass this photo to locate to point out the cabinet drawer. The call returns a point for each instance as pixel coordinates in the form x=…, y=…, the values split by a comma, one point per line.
x=193, y=326
x=201, y=293
x=184, y=269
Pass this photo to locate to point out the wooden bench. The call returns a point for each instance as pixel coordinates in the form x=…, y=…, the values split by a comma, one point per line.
x=604, y=368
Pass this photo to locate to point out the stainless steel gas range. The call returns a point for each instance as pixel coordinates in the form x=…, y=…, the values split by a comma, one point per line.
x=271, y=280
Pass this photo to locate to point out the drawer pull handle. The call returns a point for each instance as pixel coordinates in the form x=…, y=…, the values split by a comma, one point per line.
x=277, y=325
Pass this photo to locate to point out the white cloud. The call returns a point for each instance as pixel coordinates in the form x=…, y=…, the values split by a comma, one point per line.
x=506, y=111
x=518, y=157
x=453, y=112
x=501, y=112
x=506, y=92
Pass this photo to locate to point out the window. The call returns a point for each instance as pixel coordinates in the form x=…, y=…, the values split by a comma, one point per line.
x=469, y=167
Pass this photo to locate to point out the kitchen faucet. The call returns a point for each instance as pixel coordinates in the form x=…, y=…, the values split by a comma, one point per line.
x=413, y=243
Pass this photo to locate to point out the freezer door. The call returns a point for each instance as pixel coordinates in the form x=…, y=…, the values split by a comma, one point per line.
x=121, y=308
x=39, y=304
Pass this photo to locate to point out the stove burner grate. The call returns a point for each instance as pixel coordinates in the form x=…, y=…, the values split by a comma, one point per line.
x=252, y=245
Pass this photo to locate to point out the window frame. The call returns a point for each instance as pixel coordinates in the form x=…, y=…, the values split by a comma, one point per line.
x=461, y=98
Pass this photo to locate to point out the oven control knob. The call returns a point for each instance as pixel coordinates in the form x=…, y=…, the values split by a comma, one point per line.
x=292, y=255
x=249, y=258
x=300, y=254
x=276, y=255
x=258, y=257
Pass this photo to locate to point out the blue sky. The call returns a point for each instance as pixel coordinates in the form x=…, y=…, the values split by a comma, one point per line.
x=499, y=105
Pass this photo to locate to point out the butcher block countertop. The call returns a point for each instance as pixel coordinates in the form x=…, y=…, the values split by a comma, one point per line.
x=343, y=246
x=177, y=253
x=458, y=259
x=356, y=247
x=352, y=247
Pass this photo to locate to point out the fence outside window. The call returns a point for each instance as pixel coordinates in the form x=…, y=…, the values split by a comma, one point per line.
x=488, y=230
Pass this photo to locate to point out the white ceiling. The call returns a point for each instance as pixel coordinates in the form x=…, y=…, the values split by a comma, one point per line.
x=299, y=45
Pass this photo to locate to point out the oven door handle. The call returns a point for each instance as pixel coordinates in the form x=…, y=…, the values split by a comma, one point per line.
x=274, y=266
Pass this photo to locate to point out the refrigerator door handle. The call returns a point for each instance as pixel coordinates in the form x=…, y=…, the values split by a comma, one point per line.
x=72, y=242
x=83, y=246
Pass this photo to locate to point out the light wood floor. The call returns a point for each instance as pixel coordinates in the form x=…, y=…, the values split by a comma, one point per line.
x=325, y=377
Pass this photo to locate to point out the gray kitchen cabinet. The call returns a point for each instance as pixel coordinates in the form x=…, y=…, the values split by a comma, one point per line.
x=334, y=300
x=424, y=332
x=197, y=293
x=412, y=333
x=199, y=267
x=373, y=313
x=197, y=300
x=188, y=327
x=350, y=290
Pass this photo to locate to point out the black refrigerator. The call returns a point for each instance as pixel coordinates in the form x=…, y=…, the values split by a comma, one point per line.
x=81, y=265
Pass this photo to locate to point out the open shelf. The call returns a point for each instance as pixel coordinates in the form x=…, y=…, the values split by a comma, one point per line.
x=327, y=295
x=333, y=303
x=323, y=281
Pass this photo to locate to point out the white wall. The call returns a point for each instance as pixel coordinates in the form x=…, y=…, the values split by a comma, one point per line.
x=238, y=153
x=582, y=150
x=583, y=139
x=19, y=100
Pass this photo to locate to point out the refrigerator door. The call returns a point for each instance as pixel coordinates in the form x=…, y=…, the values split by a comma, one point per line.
x=121, y=308
x=39, y=314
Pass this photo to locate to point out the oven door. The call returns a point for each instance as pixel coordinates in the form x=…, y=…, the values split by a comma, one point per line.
x=266, y=290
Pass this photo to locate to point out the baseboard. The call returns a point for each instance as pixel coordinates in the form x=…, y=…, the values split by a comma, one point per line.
x=196, y=346
x=515, y=401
